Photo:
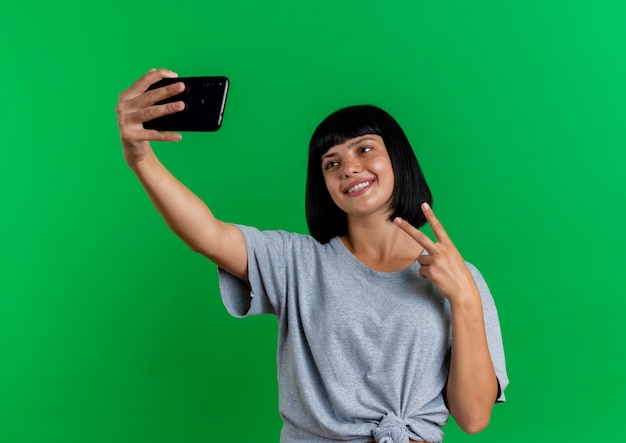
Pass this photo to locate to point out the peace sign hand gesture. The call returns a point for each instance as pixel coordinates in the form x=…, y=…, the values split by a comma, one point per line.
x=443, y=266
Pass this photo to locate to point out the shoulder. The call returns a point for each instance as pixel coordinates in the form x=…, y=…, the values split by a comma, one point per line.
x=478, y=276
x=254, y=232
x=473, y=269
x=279, y=239
x=483, y=288
x=486, y=296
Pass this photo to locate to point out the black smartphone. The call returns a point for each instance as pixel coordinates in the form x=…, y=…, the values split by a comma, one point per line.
x=205, y=100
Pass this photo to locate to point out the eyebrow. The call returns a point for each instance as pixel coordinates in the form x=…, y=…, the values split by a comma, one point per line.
x=351, y=145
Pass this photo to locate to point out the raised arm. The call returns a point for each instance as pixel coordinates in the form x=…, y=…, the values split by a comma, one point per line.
x=472, y=385
x=181, y=209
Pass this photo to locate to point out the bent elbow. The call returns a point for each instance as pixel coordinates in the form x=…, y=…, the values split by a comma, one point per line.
x=472, y=417
x=474, y=425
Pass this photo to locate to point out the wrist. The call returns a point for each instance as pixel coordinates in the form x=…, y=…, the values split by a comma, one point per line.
x=466, y=299
x=137, y=161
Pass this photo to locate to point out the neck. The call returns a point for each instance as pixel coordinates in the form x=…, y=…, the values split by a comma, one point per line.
x=380, y=244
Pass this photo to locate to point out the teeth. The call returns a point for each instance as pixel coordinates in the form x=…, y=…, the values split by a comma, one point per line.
x=358, y=187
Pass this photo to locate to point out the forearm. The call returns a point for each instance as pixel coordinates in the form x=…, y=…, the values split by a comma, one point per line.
x=472, y=385
x=182, y=210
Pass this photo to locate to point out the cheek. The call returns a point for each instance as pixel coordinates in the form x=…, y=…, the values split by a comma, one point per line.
x=383, y=168
x=332, y=185
x=387, y=177
x=327, y=182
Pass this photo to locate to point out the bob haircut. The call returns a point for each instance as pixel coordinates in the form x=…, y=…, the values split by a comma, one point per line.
x=324, y=218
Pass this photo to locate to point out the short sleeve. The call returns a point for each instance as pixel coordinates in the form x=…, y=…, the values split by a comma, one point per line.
x=494, y=334
x=264, y=291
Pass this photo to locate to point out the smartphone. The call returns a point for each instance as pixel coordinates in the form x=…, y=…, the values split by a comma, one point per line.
x=205, y=100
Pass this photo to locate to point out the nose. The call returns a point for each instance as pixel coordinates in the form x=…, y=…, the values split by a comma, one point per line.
x=351, y=166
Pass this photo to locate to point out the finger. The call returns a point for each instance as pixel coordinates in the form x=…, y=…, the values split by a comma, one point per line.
x=153, y=96
x=425, y=260
x=152, y=112
x=435, y=224
x=154, y=135
x=140, y=109
x=144, y=82
x=163, y=136
x=424, y=272
x=415, y=233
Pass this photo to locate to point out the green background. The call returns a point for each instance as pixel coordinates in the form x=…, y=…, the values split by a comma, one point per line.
x=112, y=330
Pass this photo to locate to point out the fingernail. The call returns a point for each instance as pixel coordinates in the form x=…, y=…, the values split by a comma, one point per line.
x=172, y=74
x=178, y=137
x=425, y=207
x=397, y=221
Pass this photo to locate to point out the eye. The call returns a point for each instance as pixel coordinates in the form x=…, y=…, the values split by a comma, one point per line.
x=365, y=149
x=329, y=165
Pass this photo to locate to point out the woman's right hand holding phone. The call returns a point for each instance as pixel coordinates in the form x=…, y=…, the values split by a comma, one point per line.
x=136, y=105
x=181, y=209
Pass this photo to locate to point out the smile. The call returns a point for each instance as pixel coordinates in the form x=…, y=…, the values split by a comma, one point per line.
x=358, y=187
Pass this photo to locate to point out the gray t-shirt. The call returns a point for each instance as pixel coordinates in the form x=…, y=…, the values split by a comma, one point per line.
x=362, y=355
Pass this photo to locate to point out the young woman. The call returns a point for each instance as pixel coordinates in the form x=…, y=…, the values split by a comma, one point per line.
x=382, y=332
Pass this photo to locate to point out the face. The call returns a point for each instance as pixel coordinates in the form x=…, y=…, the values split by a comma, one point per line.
x=359, y=175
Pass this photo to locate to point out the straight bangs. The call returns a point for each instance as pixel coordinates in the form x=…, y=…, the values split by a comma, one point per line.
x=341, y=126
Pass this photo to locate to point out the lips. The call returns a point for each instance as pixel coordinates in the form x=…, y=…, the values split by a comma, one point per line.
x=357, y=186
